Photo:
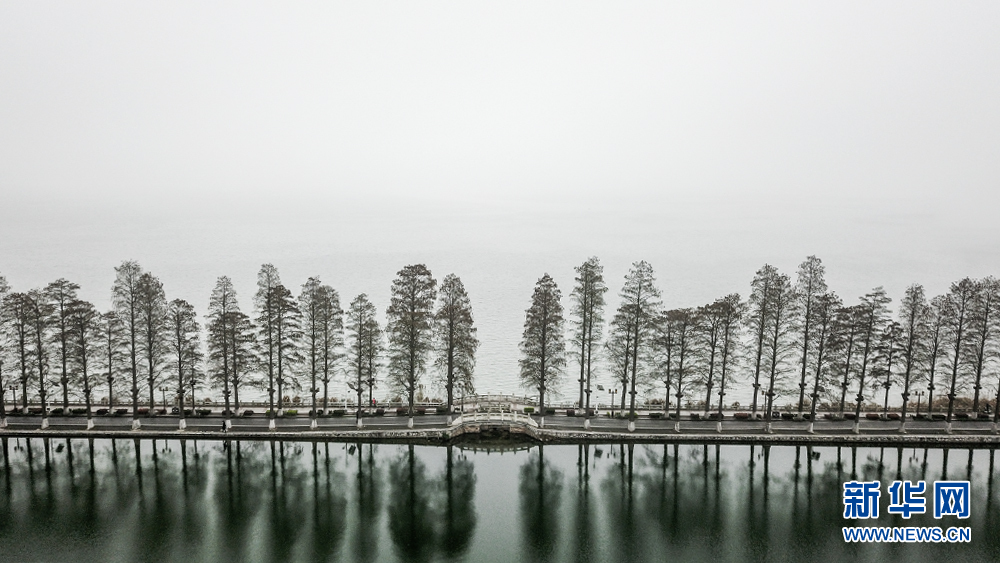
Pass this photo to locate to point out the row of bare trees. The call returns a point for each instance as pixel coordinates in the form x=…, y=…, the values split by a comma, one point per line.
x=793, y=342
x=60, y=349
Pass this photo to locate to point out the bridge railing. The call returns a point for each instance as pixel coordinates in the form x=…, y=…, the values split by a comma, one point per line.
x=494, y=417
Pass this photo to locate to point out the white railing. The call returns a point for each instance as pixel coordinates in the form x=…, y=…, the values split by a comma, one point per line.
x=494, y=417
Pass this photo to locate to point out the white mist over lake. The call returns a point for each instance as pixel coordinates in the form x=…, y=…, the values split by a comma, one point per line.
x=499, y=142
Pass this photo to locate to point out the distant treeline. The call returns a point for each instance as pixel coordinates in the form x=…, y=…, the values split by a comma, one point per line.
x=55, y=344
x=796, y=344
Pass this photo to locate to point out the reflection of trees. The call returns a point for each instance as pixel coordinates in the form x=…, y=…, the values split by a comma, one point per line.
x=432, y=518
x=239, y=494
x=458, y=514
x=410, y=521
x=288, y=498
x=329, y=507
x=618, y=489
x=583, y=544
x=369, y=502
x=541, y=491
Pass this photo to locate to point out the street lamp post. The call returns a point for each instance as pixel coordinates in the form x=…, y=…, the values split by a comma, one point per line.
x=163, y=391
x=920, y=395
x=13, y=389
x=613, y=392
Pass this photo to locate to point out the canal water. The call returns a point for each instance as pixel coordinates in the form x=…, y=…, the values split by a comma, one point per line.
x=169, y=500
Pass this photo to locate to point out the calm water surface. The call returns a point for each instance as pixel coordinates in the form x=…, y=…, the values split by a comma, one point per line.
x=145, y=500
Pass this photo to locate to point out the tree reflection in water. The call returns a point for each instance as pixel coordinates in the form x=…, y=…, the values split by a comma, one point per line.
x=541, y=492
x=140, y=500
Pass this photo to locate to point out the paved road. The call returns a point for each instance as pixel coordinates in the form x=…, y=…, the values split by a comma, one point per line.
x=559, y=422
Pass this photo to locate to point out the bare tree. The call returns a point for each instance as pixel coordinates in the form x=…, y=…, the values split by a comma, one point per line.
x=936, y=333
x=125, y=296
x=364, y=346
x=543, y=349
x=18, y=311
x=757, y=319
x=322, y=322
x=888, y=351
x=959, y=303
x=588, y=322
x=267, y=280
x=846, y=327
x=59, y=294
x=409, y=327
x=455, y=338
x=632, y=327
x=730, y=310
x=83, y=325
x=4, y=290
x=662, y=355
x=184, y=349
x=112, y=342
x=983, y=332
x=913, y=313
x=873, y=317
x=152, y=307
x=779, y=343
x=808, y=287
x=684, y=330
x=824, y=313
x=222, y=309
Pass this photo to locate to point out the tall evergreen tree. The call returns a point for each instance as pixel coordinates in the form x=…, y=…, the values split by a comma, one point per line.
x=543, y=348
x=913, y=319
x=364, y=347
x=811, y=283
x=183, y=346
x=152, y=307
x=125, y=296
x=959, y=304
x=409, y=327
x=83, y=324
x=59, y=294
x=588, y=323
x=872, y=319
x=455, y=338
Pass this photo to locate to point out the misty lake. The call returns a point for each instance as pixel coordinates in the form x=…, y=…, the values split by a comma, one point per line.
x=172, y=500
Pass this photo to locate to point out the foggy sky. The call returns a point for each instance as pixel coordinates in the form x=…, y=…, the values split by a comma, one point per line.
x=708, y=138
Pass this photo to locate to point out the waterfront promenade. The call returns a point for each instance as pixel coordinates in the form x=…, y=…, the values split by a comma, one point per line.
x=559, y=428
